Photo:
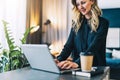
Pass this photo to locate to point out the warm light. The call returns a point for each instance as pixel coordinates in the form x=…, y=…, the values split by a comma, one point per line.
x=55, y=48
x=34, y=29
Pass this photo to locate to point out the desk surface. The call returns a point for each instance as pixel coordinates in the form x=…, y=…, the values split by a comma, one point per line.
x=31, y=74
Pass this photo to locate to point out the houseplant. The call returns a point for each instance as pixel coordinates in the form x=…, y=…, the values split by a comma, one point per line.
x=12, y=58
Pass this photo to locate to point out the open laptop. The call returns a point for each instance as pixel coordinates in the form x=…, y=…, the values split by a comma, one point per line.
x=39, y=57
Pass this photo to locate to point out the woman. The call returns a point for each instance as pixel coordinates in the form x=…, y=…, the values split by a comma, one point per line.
x=88, y=34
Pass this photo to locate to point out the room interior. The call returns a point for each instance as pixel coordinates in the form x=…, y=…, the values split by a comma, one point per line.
x=52, y=19
x=113, y=41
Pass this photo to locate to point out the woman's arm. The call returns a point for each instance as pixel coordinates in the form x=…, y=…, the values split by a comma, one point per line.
x=68, y=47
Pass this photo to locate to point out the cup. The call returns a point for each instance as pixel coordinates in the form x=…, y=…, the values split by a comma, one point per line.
x=86, y=60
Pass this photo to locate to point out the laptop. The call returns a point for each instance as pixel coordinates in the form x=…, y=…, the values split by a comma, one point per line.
x=39, y=57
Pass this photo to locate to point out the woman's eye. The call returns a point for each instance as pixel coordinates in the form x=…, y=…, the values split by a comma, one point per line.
x=83, y=2
x=77, y=4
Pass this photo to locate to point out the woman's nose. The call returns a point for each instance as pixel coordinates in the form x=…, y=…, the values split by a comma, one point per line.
x=80, y=6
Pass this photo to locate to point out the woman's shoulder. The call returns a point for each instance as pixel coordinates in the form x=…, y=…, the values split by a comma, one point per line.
x=103, y=23
x=103, y=20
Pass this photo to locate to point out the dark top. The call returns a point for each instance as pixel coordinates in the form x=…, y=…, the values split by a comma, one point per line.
x=87, y=41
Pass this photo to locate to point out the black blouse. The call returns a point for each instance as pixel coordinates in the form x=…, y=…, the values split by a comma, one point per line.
x=87, y=41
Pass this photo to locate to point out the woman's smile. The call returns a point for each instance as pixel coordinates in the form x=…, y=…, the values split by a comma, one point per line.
x=83, y=10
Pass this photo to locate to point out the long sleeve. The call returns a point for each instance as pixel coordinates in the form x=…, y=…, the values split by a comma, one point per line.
x=68, y=47
x=97, y=44
x=100, y=37
x=87, y=41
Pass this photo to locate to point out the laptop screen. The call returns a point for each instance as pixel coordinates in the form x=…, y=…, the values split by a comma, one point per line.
x=39, y=57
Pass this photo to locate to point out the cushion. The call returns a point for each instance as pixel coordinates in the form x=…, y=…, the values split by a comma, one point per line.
x=113, y=63
x=108, y=53
x=116, y=54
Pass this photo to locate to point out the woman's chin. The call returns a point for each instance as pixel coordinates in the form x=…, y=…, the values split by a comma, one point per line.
x=83, y=13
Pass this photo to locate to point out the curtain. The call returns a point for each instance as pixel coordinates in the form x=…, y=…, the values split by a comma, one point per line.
x=33, y=19
x=14, y=12
x=59, y=13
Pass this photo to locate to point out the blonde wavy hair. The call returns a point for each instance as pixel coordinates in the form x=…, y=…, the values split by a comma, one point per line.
x=77, y=17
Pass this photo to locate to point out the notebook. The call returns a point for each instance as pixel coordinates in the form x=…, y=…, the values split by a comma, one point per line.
x=39, y=57
x=95, y=71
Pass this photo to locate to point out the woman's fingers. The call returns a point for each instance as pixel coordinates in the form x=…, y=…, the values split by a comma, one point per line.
x=61, y=64
x=67, y=65
x=70, y=65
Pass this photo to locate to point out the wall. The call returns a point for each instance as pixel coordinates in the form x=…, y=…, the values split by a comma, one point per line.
x=109, y=3
x=113, y=38
x=113, y=16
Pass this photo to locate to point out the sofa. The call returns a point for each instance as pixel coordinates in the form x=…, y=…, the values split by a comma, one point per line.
x=113, y=60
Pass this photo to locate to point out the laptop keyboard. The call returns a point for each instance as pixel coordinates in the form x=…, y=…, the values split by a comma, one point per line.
x=63, y=69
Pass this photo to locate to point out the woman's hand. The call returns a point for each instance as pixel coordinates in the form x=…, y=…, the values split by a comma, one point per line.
x=56, y=61
x=67, y=65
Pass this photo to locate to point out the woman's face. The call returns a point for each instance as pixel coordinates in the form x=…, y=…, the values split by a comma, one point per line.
x=84, y=6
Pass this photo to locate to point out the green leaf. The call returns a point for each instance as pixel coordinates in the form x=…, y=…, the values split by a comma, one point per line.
x=7, y=67
x=15, y=53
x=5, y=53
x=23, y=40
x=13, y=57
x=15, y=64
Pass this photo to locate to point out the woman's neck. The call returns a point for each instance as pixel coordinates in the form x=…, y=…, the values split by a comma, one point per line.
x=88, y=16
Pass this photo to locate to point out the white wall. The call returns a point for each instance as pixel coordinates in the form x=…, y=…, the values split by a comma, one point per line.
x=109, y=3
x=14, y=12
x=113, y=38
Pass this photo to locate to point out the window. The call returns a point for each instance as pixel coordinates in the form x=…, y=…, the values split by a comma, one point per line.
x=14, y=12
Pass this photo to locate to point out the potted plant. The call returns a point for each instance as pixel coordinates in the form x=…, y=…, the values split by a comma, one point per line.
x=12, y=58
